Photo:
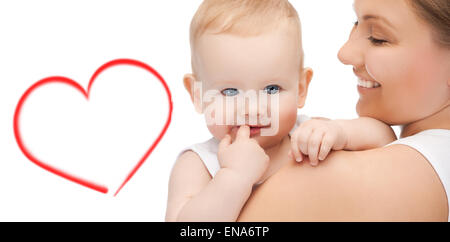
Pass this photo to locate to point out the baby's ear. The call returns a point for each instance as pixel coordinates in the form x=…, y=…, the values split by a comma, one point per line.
x=194, y=89
x=303, y=84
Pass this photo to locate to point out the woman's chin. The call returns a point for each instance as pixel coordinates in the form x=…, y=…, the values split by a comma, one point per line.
x=372, y=111
x=359, y=108
x=364, y=109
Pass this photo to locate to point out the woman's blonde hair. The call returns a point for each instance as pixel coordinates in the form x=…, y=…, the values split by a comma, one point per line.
x=437, y=14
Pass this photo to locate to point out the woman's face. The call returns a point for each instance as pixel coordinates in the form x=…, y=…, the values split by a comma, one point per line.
x=403, y=74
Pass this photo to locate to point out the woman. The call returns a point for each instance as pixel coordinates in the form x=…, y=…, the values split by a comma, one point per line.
x=402, y=49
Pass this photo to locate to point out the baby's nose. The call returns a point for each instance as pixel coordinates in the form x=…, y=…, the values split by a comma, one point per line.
x=251, y=111
x=251, y=108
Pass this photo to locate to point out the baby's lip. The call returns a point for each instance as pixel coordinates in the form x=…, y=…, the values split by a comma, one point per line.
x=259, y=126
x=253, y=126
x=254, y=129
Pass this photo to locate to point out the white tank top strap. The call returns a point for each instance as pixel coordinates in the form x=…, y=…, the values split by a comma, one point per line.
x=434, y=145
x=207, y=151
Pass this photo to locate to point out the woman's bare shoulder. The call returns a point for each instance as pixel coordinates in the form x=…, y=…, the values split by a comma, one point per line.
x=394, y=183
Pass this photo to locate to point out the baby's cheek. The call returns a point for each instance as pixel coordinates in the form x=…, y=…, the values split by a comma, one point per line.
x=288, y=117
x=218, y=131
x=214, y=118
x=220, y=112
x=289, y=105
x=287, y=114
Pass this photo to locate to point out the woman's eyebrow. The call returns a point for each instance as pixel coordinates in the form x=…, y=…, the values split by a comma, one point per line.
x=375, y=17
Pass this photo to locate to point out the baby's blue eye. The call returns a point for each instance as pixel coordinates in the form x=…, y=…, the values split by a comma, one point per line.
x=230, y=92
x=272, y=89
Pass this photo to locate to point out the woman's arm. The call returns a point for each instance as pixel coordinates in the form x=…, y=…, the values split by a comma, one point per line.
x=394, y=183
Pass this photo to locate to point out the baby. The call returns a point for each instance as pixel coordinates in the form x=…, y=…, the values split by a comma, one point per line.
x=240, y=47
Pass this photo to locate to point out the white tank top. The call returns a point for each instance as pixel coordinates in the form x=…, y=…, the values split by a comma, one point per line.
x=434, y=145
x=207, y=151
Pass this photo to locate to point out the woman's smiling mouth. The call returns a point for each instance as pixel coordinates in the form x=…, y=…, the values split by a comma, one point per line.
x=367, y=84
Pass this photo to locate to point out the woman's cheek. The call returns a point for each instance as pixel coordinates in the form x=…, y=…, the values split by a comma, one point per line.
x=427, y=92
x=383, y=66
x=405, y=78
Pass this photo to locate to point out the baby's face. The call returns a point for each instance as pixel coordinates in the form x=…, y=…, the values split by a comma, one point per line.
x=268, y=66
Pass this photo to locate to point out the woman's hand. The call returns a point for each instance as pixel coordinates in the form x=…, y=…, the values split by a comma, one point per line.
x=244, y=156
x=315, y=138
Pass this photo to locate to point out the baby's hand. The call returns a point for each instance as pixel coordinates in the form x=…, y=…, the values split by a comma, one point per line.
x=315, y=138
x=243, y=156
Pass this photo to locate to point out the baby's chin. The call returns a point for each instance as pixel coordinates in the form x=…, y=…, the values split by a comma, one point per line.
x=267, y=142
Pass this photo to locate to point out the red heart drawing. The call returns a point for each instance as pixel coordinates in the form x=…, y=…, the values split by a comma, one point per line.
x=73, y=84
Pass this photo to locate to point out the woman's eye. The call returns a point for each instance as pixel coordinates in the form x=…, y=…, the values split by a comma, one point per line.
x=272, y=89
x=377, y=41
x=230, y=92
x=355, y=25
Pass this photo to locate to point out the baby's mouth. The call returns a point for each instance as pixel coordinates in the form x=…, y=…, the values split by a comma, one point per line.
x=254, y=129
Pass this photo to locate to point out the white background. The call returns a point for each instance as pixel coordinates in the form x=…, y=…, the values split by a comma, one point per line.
x=73, y=38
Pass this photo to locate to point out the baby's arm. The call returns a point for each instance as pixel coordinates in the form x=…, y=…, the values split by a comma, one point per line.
x=316, y=137
x=194, y=196
x=366, y=133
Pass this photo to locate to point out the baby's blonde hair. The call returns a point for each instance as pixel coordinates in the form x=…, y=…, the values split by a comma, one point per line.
x=243, y=18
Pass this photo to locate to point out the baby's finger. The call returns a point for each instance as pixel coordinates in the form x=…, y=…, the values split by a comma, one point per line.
x=325, y=147
x=243, y=133
x=225, y=142
x=314, y=145
x=295, y=152
x=302, y=139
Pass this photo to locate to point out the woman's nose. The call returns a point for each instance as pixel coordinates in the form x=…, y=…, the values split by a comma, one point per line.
x=351, y=53
x=343, y=55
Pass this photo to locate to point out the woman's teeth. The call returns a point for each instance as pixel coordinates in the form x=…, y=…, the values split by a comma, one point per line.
x=368, y=84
